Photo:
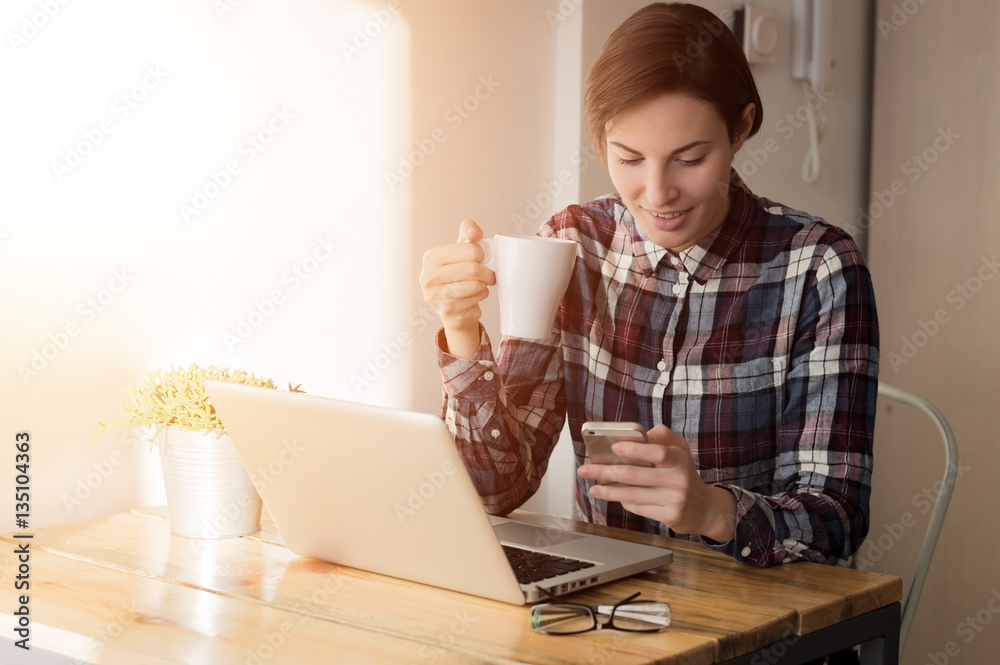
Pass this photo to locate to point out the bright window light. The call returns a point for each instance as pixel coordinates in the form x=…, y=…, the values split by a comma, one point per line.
x=196, y=182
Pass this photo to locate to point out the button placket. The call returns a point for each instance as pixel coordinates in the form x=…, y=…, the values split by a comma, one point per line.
x=680, y=288
x=666, y=363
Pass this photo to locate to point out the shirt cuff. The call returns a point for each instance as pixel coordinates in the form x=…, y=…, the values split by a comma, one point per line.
x=473, y=379
x=753, y=538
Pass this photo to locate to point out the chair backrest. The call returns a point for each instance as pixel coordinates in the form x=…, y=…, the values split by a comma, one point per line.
x=940, y=504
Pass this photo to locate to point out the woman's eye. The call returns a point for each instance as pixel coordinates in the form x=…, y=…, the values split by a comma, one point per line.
x=692, y=162
x=628, y=162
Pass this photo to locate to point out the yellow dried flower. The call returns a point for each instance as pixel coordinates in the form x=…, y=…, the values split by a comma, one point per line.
x=177, y=398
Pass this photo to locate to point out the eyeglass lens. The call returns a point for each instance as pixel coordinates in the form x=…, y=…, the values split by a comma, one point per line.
x=564, y=619
x=640, y=616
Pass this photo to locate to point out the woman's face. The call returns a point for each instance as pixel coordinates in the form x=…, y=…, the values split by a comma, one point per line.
x=669, y=157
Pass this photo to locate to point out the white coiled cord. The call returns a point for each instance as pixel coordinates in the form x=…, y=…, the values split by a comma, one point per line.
x=816, y=128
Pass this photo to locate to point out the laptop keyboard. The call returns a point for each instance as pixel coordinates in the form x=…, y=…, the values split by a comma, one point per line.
x=530, y=566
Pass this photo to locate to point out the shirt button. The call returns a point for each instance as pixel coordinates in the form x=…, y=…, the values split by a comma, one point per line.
x=677, y=289
x=495, y=434
x=488, y=376
x=662, y=365
x=746, y=551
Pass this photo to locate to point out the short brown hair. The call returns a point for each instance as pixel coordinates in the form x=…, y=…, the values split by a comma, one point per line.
x=675, y=47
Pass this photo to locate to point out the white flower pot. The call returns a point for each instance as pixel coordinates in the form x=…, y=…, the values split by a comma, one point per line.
x=209, y=492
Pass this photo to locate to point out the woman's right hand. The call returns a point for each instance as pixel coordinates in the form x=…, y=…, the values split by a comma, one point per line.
x=454, y=282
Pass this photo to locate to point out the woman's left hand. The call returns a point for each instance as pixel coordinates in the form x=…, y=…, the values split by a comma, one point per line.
x=671, y=491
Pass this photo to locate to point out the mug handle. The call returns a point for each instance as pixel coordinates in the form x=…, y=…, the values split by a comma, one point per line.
x=489, y=255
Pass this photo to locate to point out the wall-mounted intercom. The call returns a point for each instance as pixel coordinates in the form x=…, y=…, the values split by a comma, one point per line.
x=757, y=30
x=813, y=62
x=812, y=43
x=812, y=57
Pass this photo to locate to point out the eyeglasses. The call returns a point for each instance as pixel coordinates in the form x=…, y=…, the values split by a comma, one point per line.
x=636, y=616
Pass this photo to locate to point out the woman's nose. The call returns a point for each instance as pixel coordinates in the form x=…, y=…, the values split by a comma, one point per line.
x=660, y=190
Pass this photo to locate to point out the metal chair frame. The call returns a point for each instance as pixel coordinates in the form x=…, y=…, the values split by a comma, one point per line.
x=940, y=503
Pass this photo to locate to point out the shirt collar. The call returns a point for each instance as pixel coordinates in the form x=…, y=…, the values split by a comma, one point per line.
x=705, y=258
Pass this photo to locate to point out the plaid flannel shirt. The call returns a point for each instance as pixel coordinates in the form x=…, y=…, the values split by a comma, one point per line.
x=759, y=345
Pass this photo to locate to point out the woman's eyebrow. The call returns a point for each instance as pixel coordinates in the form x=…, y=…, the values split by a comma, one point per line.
x=625, y=147
x=683, y=148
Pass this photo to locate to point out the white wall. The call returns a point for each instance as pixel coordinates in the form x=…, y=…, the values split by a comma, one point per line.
x=933, y=253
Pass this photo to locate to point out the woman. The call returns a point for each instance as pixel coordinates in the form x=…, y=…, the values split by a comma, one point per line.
x=741, y=333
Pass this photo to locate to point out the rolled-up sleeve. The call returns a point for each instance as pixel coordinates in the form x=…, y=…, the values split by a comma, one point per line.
x=505, y=429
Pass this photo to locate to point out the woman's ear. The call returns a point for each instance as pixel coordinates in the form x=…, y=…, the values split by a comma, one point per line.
x=743, y=129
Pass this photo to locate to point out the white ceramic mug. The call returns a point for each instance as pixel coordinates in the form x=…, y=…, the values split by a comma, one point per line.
x=532, y=276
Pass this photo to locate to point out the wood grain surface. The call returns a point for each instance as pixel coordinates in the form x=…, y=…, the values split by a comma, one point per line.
x=171, y=599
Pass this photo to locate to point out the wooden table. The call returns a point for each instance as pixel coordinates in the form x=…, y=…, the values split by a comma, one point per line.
x=123, y=589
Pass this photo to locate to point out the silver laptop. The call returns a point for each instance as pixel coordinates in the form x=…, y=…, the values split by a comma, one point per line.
x=385, y=490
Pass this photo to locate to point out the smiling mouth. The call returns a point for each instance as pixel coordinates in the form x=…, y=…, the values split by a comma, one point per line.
x=666, y=215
